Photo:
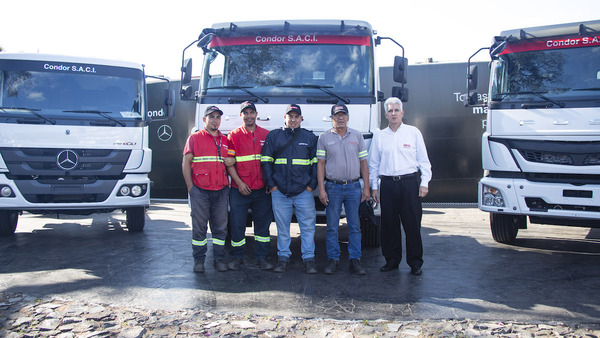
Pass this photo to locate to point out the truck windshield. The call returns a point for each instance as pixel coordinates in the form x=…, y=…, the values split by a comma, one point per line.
x=70, y=94
x=559, y=74
x=288, y=69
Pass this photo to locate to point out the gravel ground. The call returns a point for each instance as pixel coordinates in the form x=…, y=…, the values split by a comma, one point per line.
x=26, y=316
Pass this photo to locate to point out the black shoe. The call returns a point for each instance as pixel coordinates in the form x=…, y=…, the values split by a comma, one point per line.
x=310, y=267
x=198, y=266
x=416, y=271
x=280, y=267
x=390, y=265
x=356, y=268
x=331, y=267
x=220, y=265
x=264, y=264
x=235, y=264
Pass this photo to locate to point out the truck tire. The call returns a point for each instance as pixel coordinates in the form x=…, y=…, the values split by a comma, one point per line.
x=505, y=227
x=8, y=222
x=371, y=233
x=136, y=218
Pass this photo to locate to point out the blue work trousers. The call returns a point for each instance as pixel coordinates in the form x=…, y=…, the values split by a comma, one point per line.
x=262, y=215
x=303, y=205
x=349, y=196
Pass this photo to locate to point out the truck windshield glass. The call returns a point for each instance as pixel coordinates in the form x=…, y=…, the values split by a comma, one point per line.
x=290, y=69
x=67, y=93
x=558, y=74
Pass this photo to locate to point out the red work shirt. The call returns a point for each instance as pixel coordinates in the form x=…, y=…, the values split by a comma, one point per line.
x=208, y=167
x=246, y=146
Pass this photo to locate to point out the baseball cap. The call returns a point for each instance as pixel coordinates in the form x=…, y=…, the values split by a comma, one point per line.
x=339, y=108
x=247, y=104
x=293, y=108
x=210, y=109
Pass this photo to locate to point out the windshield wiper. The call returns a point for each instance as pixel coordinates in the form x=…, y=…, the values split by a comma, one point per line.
x=538, y=94
x=321, y=88
x=101, y=113
x=31, y=111
x=263, y=99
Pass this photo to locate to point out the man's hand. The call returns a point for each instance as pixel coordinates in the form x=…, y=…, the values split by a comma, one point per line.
x=309, y=189
x=366, y=194
x=375, y=195
x=274, y=188
x=423, y=191
x=323, y=197
x=244, y=189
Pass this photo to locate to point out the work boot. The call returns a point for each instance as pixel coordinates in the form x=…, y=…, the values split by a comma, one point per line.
x=264, y=264
x=198, y=266
x=281, y=266
x=220, y=265
x=235, y=264
x=310, y=267
x=356, y=268
x=331, y=267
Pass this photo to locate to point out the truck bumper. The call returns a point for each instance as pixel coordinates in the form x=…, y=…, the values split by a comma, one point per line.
x=540, y=199
x=112, y=202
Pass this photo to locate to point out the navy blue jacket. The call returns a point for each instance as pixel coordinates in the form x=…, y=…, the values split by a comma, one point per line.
x=296, y=167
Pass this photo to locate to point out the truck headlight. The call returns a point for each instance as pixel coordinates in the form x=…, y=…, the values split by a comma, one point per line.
x=492, y=197
x=136, y=190
x=6, y=191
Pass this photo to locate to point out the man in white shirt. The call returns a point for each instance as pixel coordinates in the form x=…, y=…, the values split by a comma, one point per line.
x=398, y=153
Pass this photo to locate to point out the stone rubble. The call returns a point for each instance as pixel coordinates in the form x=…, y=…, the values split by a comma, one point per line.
x=25, y=316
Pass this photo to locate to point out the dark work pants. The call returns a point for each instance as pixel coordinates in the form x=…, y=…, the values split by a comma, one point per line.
x=401, y=205
x=262, y=214
x=209, y=207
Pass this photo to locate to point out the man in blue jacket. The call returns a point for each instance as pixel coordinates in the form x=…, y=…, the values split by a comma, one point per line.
x=289, y=165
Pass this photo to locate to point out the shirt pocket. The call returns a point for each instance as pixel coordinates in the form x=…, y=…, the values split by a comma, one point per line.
x=202, y=177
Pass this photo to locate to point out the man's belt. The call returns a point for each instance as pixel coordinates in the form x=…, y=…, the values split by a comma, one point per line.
x=398, y=177
x=342, y=182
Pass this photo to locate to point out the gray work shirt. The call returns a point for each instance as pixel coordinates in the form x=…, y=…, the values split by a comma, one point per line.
x=343, y=155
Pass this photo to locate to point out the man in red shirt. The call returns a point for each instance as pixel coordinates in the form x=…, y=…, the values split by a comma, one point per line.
x=206, y=178
x=248, y=190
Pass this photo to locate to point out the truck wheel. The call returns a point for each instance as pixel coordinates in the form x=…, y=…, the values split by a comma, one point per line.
x=136, y=218
x=505, y=227
x=371, y=233
x=8, y=222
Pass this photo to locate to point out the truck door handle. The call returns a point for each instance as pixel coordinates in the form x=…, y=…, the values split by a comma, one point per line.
x=560, y=122
x=524, y=122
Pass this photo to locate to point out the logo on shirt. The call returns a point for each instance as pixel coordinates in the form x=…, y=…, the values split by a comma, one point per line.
x=407, y=146
x=303, y=144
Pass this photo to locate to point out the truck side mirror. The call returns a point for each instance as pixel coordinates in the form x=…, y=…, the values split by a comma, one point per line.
x=401, y=93
x=472, y=78
x=186, y=71
x=400, y=68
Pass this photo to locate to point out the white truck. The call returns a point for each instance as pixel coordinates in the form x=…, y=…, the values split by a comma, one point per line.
x=313, y=63
x=73, y=138
x=541, y=148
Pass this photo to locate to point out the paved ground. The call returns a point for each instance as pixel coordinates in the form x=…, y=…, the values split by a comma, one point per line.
x=550, y=274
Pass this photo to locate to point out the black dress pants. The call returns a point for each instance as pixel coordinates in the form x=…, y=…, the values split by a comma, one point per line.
x=401, y=205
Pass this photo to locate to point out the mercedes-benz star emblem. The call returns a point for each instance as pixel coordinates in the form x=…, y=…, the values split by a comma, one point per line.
x=67, y=160
x=165, y=133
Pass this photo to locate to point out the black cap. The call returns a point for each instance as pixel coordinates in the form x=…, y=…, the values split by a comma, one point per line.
x=293, y=108
x=210, y=109
x=339, y=108
x=247, y=104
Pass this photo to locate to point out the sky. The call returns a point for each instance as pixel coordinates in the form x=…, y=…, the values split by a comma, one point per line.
x=154, y=33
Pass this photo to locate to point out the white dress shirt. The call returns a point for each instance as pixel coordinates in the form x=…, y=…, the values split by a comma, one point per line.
x=398, y=153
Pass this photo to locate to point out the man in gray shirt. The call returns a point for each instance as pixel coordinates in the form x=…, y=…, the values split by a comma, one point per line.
x=342, y=160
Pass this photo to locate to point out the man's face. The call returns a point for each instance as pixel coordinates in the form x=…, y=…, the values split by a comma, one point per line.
x=394, y=114
x=340, y=119
x=293, y=120
x=249, y=117
x=212, y=121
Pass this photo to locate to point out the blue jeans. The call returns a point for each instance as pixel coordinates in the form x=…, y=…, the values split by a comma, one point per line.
x=306, y=214
x=349, y=195
x=262, y=214
x=209, y=207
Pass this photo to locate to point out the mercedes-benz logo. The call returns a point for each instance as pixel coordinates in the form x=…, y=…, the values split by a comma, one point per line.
x=165, y=133
x=67, y=160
